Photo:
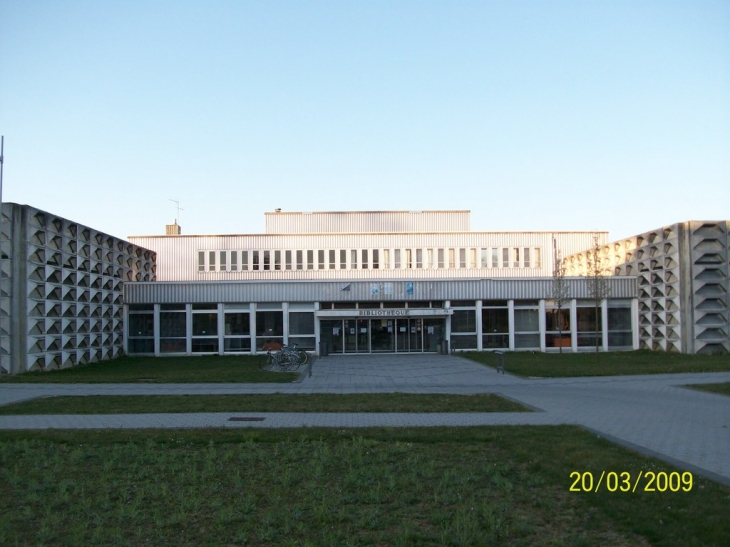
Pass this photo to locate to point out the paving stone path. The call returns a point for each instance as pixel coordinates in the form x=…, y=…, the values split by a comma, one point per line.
x=652, y=414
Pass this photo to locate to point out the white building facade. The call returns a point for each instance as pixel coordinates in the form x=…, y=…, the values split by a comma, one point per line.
x=369, y=282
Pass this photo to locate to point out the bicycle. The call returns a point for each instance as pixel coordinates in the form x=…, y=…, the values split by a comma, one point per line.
x=293, y=350
x=283, y=361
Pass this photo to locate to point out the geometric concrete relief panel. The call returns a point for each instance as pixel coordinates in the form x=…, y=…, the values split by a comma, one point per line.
x=708, y=242
x=682, y=273
x=65, y=290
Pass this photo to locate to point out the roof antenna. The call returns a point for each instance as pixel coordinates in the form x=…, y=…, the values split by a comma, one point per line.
x=177, y=203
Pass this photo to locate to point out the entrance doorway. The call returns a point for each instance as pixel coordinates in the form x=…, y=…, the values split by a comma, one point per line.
x=386, y=335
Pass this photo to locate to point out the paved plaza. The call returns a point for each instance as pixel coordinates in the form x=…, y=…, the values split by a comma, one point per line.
x=652, y=414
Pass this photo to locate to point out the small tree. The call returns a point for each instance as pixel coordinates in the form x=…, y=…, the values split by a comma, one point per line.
x=559, y=291
x=598, y=288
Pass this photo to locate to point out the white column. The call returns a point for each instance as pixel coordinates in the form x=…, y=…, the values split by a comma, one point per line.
x=574, y=325
x=447, y=328
x=604, y=324
x=479, y=325
x=511, y=323
x=285, y=314
x=188, y=329
x=252, y=327
x=542, y=324
x=125, y=332
x=156, y=329
x=634, y=322
x=221, y=327
x=316, y=328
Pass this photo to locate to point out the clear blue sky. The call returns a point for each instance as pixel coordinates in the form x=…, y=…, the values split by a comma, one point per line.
x=536, y=115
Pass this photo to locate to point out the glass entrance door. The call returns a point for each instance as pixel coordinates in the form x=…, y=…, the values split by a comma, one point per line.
x=350, y=335
x=415, y=334
x=432, y=334
x=363, y=336
x=401, y=335
x=381, y=335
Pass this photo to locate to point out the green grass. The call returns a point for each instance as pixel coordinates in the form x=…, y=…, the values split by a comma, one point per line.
x=319, y=402
x=723, y=389
x=556, y=365
x=412, y=486
x=202, y=369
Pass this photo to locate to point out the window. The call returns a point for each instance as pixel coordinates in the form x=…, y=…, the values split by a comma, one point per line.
x=495, y=258
x=343, y=259
x=452, y=258
x=223, y=261
x=505, y=257
x=589, y=326
x=353, y=259
x=237, y=332
x=333, y=263
x=463, y=329
x=310, y=260
x=429, y=263
x=255, y=258
x=376, y=259
x=495, y=328
x=527, y=329
x=320, y=260
x=201, y=261
x=396, y=258
x=441, y=258
x=234, y=261
x=364, y=259
x=419, y=258
x=538, y=258
x=173, y=331
x=277, y=260
x=211, y=261
x=300, y=264
x=516, y=257
x=267, y=260
x=409, y=259
x=287, y=259
x=269, y=328
x=244, y=260
x=526, y=257
x=484, y=263
x=472, y=258
x=619, y=324
x=386, y=259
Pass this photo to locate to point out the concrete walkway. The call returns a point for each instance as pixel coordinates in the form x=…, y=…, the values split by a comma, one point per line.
x=652, y=414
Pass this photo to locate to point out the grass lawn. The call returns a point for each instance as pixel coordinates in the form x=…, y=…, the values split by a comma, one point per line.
x=339, y=487
x=723, y=389
x=203, y=369
x=319, y=402
x=557, y=365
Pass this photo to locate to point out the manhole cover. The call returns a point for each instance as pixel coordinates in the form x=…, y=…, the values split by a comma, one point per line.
x=245, y=419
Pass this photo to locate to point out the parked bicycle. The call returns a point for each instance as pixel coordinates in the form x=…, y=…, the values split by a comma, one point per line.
x=279, y=360
x=294, y=351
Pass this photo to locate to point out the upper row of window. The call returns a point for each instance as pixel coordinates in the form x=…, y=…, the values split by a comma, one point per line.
x=353, y=259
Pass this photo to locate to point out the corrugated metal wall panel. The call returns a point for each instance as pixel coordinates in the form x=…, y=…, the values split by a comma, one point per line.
x=367, y=222
x=317, y=291
x=177, y=255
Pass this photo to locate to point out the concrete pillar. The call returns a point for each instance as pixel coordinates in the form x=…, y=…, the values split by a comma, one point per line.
x=221, y=327
x=285, y=315
x=479, y=325
x=604, y=324
x=635, y=322
x=252, y=326
x=511, y=323
x=156, y=329
x=542, y=324
x=574, y=325
x=188, y=329
x=316, y=326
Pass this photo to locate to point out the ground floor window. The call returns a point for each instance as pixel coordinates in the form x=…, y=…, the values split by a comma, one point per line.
x=372, y=327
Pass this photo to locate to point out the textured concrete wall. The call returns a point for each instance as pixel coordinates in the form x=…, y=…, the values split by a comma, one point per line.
x=62, y=290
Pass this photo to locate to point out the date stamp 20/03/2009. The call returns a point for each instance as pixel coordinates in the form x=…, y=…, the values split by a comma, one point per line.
x=623, y=481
